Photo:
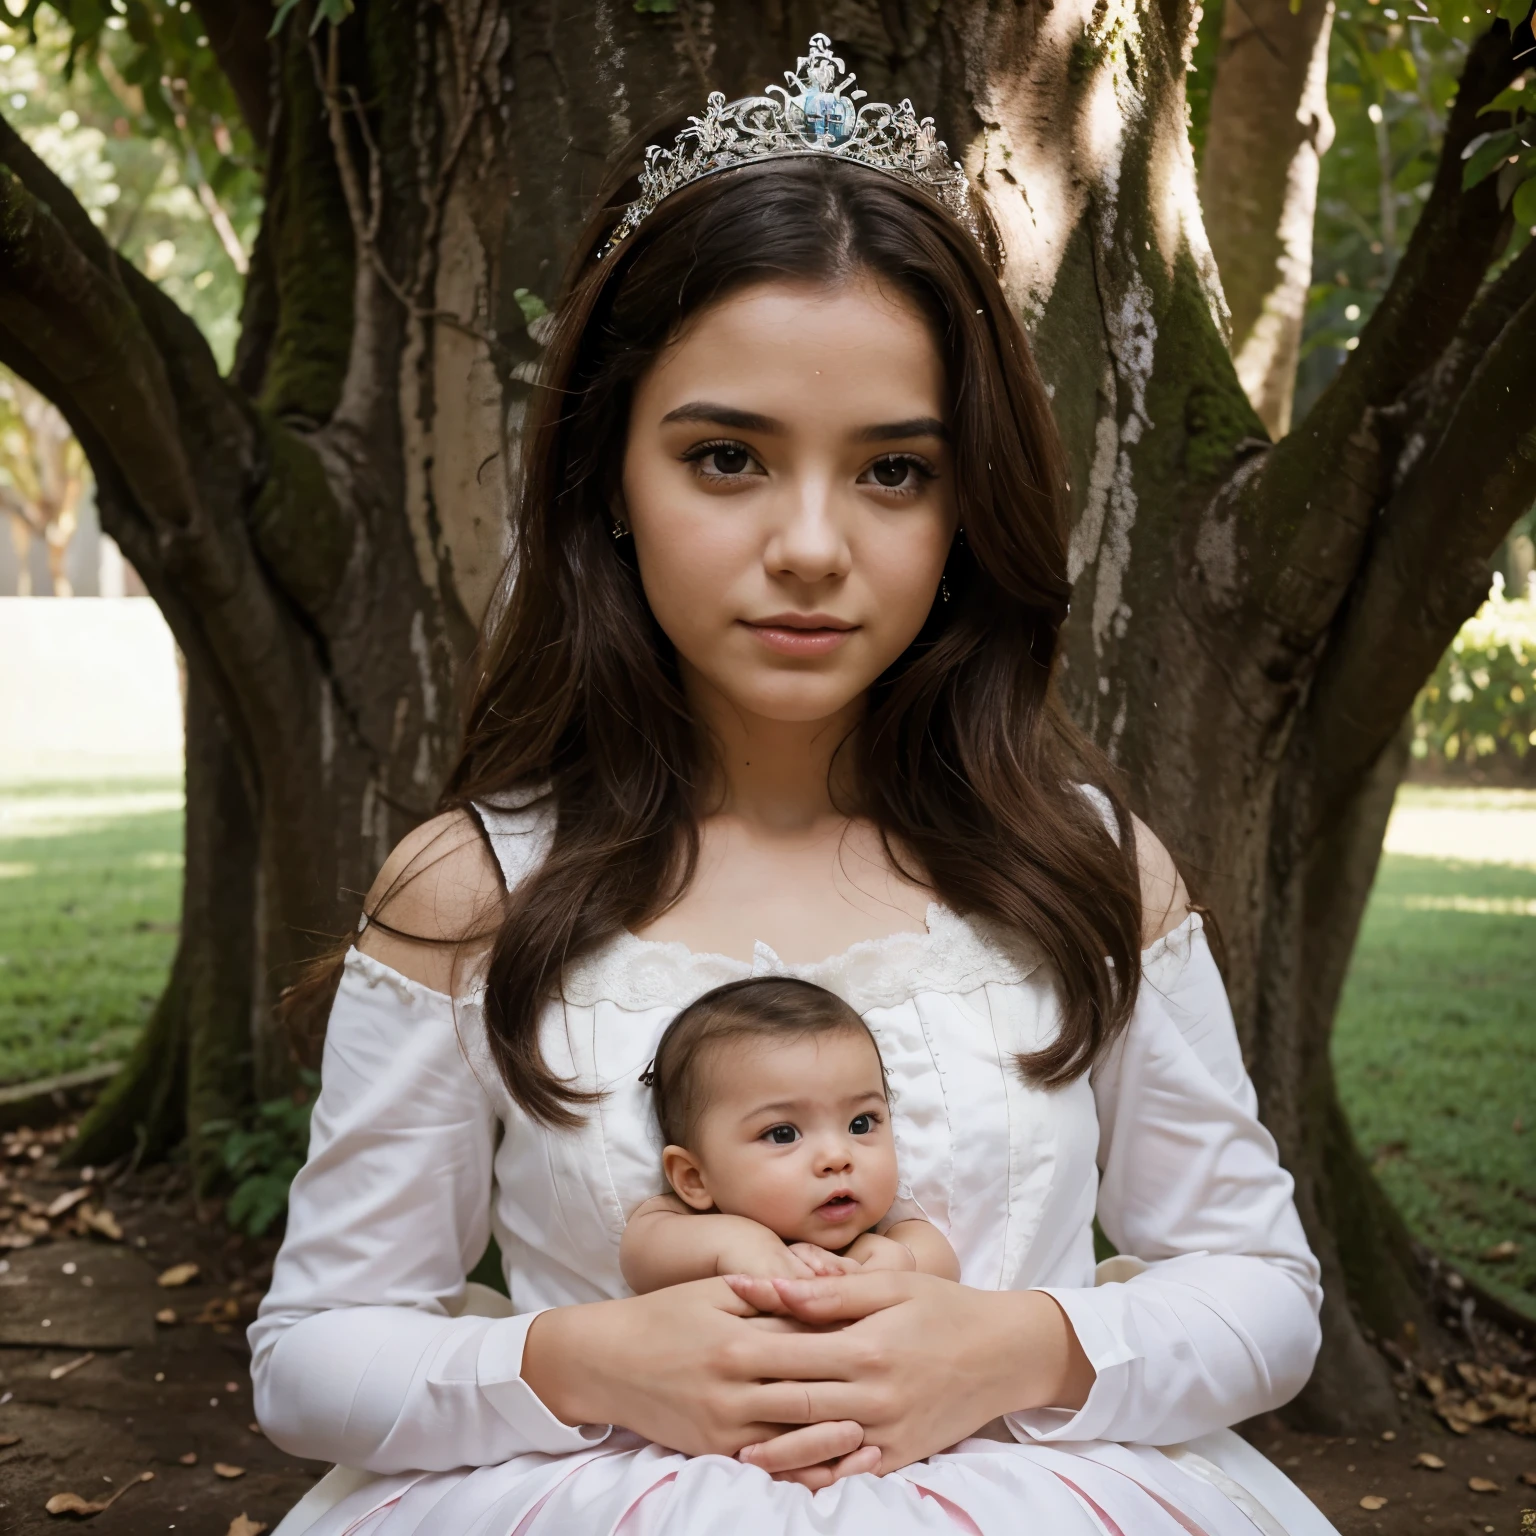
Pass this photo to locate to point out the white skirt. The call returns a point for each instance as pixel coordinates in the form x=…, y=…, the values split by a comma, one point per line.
x=1218, y=1485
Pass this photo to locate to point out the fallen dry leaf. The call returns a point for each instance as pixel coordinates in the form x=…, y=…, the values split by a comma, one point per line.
x=1484, y=1485
x=73, y=1504
x=223, y=1469
x=243, y=1525
x=166, y=1317
x=8, y=1440
x=1373, y=1501
x=219, y=1309
x=1528, y=1478
x=1430, y=1460
x=65, y=1202
x=1389, y=1434
x=59, y=1372
x=189, y=1460
x=178, y=1274
x=102, y=1223
x=1484, y=1394
x=1500, y=1252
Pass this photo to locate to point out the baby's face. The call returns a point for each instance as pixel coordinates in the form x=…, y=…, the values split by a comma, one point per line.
x=797, y=1136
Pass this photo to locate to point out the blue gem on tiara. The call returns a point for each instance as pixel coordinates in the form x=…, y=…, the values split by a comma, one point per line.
x=831, y=119
x=818, y=113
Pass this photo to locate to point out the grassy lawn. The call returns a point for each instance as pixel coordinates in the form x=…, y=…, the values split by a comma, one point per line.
x=1435, y=1045
x=90, y=894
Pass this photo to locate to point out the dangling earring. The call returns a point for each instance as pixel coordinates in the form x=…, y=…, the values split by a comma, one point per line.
x=620, y=530
x=944, y=588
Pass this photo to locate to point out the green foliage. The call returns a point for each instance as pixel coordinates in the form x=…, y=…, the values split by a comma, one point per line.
x=1201, y=75
x=90, y=890
x=1481, y=701
x=532, y=306
x=1435, y=1052
x=1393, y=72
x=263, y=1154
x=333, y=11
x=656, y=7
x=1509, y=153
x=126, y=104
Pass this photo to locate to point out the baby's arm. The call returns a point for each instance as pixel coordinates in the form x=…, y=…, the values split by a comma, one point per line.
x=914, y=1244
x=666, y=1243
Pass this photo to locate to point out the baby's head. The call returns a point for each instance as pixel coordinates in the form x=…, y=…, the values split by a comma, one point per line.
x=771, y=1097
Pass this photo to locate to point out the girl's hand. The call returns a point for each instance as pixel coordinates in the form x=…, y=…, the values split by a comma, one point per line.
x=821, y=1261
x=919, y=1362
x=692, y=1367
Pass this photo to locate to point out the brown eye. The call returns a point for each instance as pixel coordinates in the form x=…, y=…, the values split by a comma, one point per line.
x=730, y=461
x=892, y=473
x=781, y=1135
x=861, y=1125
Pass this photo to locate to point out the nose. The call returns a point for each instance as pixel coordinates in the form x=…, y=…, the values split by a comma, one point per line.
x=834, y=1155
x=808, y=543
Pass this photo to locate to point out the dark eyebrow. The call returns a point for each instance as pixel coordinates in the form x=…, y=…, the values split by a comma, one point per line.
x=919, y=426
x=724, y=416
x=750, y=421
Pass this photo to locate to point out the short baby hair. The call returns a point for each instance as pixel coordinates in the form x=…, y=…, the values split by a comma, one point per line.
x=760, y=1008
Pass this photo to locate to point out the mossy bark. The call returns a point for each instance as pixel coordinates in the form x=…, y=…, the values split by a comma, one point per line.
x=192, y=1065
x=324, y=528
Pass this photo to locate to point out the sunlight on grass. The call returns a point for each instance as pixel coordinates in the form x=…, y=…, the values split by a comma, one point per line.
x=1435, y=1044
x=90, y=895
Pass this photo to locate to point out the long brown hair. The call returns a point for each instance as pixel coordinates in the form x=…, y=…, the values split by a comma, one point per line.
x=965, y=761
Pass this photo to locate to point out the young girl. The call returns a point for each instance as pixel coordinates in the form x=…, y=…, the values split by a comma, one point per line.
x=771, y=694
x=771, y=1099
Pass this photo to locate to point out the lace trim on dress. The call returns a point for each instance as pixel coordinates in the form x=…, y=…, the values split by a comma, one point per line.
x=952, y=955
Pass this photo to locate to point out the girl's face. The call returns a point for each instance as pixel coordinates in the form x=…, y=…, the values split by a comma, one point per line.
x=788, y=483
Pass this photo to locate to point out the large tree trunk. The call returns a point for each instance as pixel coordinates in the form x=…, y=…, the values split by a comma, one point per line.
x=1269, y=127
x=192, y=1065
x=324, y=529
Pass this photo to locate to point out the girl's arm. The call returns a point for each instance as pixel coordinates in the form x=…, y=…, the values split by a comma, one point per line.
x=357, y=1356
x=666, y=1243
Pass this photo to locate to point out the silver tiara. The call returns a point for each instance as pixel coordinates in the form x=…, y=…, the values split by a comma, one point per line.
x=814, y=113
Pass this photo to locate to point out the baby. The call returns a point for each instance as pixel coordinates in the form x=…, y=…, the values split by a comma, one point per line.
x=772, y=1102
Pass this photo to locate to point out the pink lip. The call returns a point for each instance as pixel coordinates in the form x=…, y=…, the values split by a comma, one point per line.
x=801, y=634
x=839, y=1208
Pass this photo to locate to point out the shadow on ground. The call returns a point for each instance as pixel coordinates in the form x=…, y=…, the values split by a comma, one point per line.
x=95, y=1392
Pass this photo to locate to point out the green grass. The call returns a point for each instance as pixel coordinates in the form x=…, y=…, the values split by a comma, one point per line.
x=1435, y=1049
x=1435, y=1046
x=90, y=895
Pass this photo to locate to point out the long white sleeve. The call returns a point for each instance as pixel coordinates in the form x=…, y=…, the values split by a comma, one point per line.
x=1222, y=1325
x=356, y=1354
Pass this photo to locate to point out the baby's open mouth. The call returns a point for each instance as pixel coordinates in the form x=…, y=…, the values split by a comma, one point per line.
x=838, y=1208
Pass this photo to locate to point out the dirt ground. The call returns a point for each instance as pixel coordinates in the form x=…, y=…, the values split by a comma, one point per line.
x=95, y=1392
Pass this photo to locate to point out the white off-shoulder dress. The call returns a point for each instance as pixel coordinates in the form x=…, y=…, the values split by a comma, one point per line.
x=362, y=1354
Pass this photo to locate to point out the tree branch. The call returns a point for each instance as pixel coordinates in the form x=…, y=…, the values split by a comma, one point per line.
x=237, y=33
x=203, y=432
x=1318, y=485
x=1428, y=569
x=1457, y=235
x=58, y=305
x=1421, y=416
x=35, y=176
